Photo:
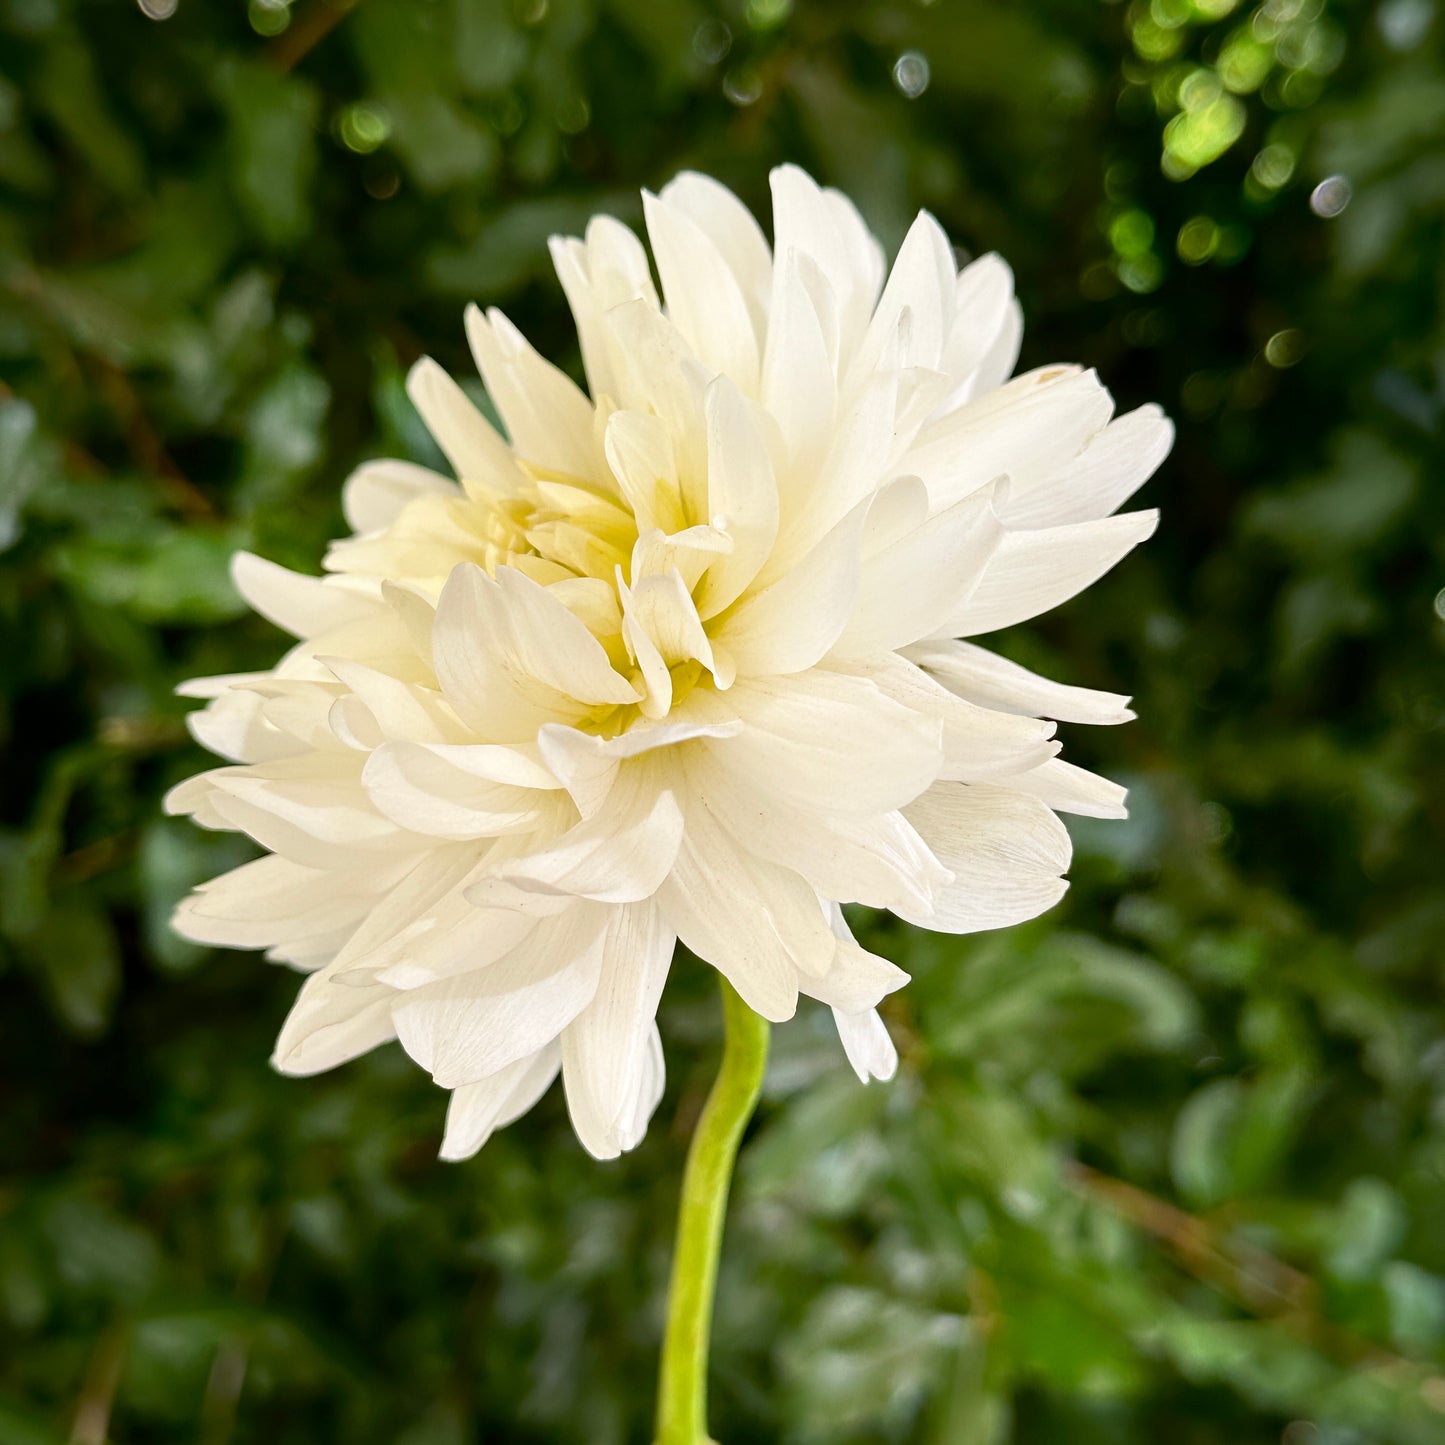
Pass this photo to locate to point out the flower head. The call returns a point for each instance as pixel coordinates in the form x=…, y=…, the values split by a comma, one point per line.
x=679, y=659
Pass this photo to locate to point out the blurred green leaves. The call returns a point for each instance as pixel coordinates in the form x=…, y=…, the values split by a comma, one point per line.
x=1168, y=1165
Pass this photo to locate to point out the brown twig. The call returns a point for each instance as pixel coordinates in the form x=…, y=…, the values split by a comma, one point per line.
x=307, y=31
x=144, y=442
x=228, y=1370
x=1264, y=1284
x=1253, y=1278
x=102, y=1380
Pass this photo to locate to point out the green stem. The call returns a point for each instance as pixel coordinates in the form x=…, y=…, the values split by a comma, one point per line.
x=682, y=1388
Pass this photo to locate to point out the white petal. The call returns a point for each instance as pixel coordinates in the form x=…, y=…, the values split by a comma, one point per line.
x=731, y=227
x=1002, y=356
x=408, y=905
x=466, y=437
x=451, y=937
x=1068, y=789
x=620, y=855
x=1029, y=430
x=824, y=735
x=1032, y=572
x=271, y=901
x=303, y=606
x=872, y=858
x=331, y=1023
x=866, y=1042
x=400, y=709
x=979, y=743
x=419, y=789
x=789, y=625
x=704, y=298
x=826, y=227
x=607, y=1049
x=758, y=924
x=646, y=1097
x=856, y=980
x=376, y=491
x=921, y=285
x=235, y=727
x=317, y=825
x=921, y=581
x=607, y=269
x=511, y=657
x=742, y=496
x=548, y=419
x=1005, y=850
x=982, y=300
x=1110, y=469
x=993, y=681
x=587, y=765
x=470, y=1027
x=663, y=376
x=477, y=1111
x=639, y=451
x=799, y=386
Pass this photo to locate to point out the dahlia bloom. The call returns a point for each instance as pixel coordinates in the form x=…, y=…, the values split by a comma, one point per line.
x=678, y=659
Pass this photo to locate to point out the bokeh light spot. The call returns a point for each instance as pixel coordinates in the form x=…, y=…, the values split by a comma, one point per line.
x=1201, y=134
x=1141, y=274
x=1331, y=197
x=743, y=85
x=766, y=14
x=157, y=9
x=1197, y=241
x=1201, y=394
x=911, y=73
x=1273, y=166
x=1285, y=348
x=363, y=127
x=268, y=17
x=1244, y=62
x=711, y=42
x=1131, y=233
x=1403, y=23
x=573, y=115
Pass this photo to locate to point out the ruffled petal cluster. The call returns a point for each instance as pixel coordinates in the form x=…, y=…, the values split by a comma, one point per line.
x=679, y=658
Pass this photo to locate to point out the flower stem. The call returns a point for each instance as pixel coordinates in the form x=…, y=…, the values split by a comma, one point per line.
x=682, y=1387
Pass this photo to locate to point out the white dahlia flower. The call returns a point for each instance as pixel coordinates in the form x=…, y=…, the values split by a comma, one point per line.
x=677, y=660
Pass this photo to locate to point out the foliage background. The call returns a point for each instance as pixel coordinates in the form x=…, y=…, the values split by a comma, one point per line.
x=1167, y=1165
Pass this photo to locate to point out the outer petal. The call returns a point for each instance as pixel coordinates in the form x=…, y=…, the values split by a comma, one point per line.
x=607, y=1049
x=468, y=1028
x=738, y=237
x=1109, y=470
x=760, y=946
x=303, y=606
x=993, y=681
x=1006, y=851
x=1033, y=572
x=1029, y=430
x=1068, y=789
x=826, y=741
x=376, y=491
x=477, y=1110
x=867, y=1044
x=331, y=1023
x=467, y=438
x=704, y=299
